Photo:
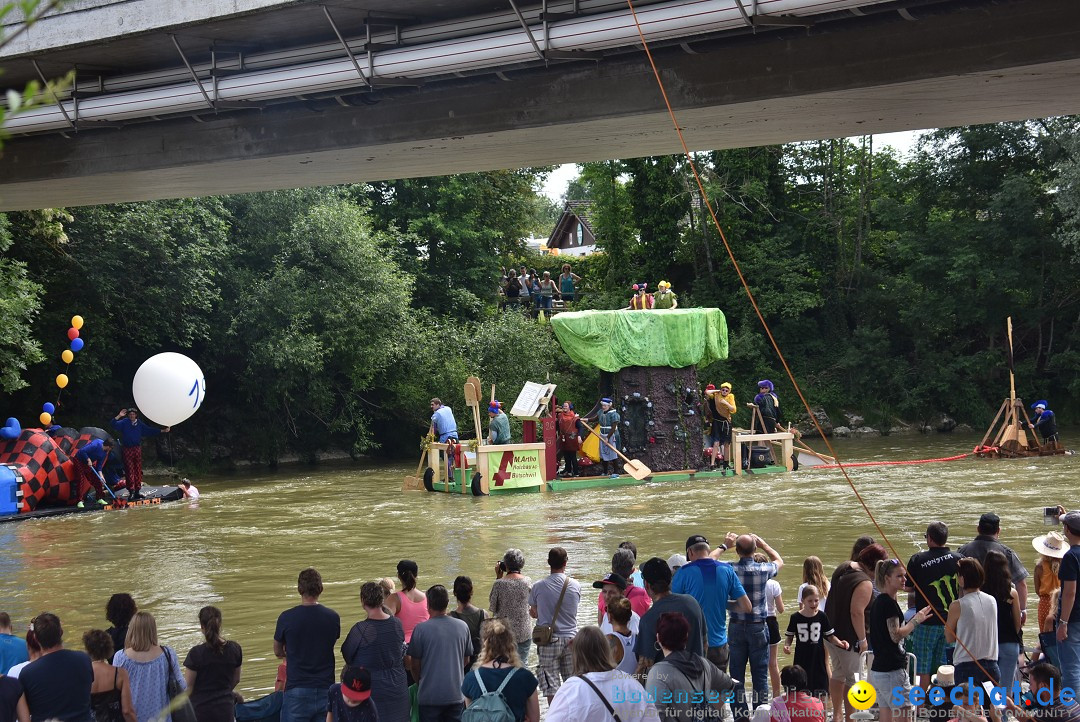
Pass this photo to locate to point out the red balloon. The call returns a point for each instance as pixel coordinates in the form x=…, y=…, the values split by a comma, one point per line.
x=73, y=333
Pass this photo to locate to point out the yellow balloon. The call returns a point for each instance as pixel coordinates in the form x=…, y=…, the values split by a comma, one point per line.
x=67, y=356
x=62, y=380
x=46, y=418
x=76, y=322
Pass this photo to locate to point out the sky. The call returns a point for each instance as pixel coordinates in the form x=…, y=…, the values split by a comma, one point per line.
x=557, y=181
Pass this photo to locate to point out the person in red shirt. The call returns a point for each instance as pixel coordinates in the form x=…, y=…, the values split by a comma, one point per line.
x=796, y=704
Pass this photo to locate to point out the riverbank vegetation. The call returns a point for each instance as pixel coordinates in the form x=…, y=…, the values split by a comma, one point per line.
x=328, y=317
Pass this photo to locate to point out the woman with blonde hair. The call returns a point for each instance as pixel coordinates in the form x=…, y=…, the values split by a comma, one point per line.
x=149, y=665
x=597, y=690
x=813, y=574
x=499, y=668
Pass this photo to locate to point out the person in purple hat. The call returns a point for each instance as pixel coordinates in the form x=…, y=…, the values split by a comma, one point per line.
x=768, y=404
x=499, y=426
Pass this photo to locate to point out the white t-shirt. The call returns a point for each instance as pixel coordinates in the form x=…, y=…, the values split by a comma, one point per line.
x=14, y=671
x=192, y=492
x=772, y=591
x=635, y=622
x=576, y=700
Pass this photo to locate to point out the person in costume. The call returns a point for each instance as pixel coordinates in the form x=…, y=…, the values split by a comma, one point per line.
x=132, y=431
x=569, y=438
x=719, y=406
x=640, y=300
x=1044, y=422
x=664, y=297
x=608, y=420
x=567, y=283
x=769, y=404
x=89, y=461
x=499, y=427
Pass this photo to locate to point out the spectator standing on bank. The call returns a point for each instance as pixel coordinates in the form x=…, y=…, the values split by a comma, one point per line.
x=149, y=665
x=110, y=695
x=931, y=580
x=1068, y=629
x=119, y=610
x=622, y=564
x=304, y=638
x=554, y=601
x=681, y=675
x=998, y=586
x=469, y=613
x=848, y=612
x=972, y=623
x=375, y=644
x=12, y=649
x=509, y=599
x=440, y=649
x=499, y=667
x=749, y=635
x=57, y=685
x=989, y=531
x=657, y=575
x=212, y=670
x=713, y=585
x=597, y=691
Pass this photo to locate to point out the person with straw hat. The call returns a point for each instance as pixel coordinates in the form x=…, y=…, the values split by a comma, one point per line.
x=1051, y=548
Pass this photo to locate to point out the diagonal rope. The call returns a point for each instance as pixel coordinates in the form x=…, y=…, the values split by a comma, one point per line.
x=765, y=325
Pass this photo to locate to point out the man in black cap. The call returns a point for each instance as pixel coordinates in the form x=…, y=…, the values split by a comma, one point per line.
x=657, y=576
x=986, y=541
x=713, y=584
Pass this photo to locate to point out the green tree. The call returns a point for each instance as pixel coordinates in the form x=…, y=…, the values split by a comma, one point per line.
x=20, y=304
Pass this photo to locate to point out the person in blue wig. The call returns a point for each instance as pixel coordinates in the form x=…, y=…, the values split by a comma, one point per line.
x=1044, y=422
x=768, y=404
x=499, y=426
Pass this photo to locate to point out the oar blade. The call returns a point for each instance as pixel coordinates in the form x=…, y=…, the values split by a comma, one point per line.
x=636, y=469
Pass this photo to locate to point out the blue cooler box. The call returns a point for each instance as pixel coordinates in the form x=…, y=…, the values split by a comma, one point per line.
x=9, y=490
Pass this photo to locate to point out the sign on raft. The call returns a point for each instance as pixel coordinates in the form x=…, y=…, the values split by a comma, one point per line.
x=514, y=468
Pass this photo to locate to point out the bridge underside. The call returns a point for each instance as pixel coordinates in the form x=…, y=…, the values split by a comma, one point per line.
x=938, y=67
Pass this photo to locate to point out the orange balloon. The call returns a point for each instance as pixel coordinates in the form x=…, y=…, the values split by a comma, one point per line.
x=62, y=381
x=76, y=322
x=67, y=356
x=45, y=418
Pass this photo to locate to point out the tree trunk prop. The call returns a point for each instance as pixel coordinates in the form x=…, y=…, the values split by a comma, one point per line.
x=661, y=416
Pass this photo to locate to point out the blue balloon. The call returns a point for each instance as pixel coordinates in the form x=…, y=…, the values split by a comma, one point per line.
x=48, y=407
x=11, y=430
x=76, y=344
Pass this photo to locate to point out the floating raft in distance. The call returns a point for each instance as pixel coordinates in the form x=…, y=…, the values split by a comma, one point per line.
x=152, y=496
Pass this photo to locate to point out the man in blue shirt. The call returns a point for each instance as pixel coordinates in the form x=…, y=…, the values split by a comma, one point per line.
x=132, y=431
x=443, y=426
x=12, y=648
x=713, y=584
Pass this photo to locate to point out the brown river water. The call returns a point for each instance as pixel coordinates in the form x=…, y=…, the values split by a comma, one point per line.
x=241, y=546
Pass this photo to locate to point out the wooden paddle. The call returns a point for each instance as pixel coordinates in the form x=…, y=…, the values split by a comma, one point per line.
x=472, y=400
x=415, y=482
x=633, y=467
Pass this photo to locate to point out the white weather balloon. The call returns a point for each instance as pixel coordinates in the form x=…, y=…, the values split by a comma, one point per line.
x=168, y=388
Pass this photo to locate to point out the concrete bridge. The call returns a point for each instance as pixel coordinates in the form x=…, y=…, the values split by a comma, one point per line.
x=175, y=99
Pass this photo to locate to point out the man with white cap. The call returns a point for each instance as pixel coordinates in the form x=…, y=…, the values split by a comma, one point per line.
x=1068, y=626
x=1044, y=421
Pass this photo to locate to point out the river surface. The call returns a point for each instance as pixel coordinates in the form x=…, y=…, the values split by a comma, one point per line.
x=242, y=545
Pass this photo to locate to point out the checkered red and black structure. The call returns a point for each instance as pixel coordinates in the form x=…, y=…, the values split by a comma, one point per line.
x=44, y=462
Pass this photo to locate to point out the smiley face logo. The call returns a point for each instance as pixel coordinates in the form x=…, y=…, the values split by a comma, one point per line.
x=862, y=695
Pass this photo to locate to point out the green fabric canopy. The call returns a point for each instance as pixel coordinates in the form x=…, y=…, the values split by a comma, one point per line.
x=611, y=340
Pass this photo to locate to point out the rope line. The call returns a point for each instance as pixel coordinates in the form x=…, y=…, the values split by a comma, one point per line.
x=764, y=324
x=893, y=463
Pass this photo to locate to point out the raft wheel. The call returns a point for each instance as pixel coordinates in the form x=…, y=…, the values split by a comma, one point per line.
x=477, y=490
x=429, y=477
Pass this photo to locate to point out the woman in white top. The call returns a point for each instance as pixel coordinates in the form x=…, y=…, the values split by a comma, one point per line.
x=972, y=624
x=598, y=691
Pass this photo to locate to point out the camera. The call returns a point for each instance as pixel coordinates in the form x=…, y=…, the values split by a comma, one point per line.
x=1050, y=516
x=502, y=564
